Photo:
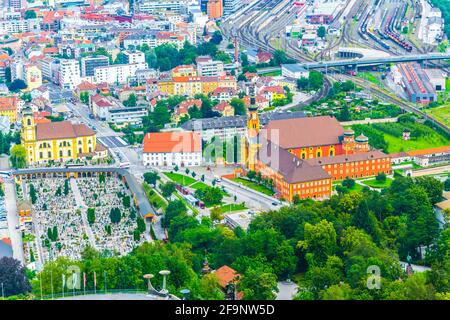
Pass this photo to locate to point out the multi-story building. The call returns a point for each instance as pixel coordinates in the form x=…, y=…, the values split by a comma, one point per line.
x=131, y=57
x=57, y=141
x=127, y=116
x=69, y=73
x=170, y=149
x=88, y=64
x=214, y=9
x=32, y=76
x=19, y=26
x=8, y=108
x=160, y=6
x=207, y=67
x=303, y=156
x=16, y=4
x=118, y=73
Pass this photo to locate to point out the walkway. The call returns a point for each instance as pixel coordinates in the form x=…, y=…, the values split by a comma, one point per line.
x=83, y=208
x=13, y=220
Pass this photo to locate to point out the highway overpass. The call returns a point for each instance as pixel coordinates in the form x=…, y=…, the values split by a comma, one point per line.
x=366, y=61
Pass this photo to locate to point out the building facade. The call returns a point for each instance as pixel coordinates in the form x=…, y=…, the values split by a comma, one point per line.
x=56, y=141
x=170, y=149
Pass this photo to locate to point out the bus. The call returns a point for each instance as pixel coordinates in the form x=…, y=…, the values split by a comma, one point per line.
x=124, y=165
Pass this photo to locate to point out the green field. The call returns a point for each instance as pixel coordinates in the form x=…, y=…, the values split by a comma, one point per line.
x=378, y=184
x=441, y=113
x=232, y=207
x=389, y=136
x=254, y=186
x=370, y=76
x=155, y=200
x=180, y=178
x=199, y=185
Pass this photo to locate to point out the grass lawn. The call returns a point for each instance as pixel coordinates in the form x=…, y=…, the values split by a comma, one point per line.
x=155, y=200
x=271, y=74
x=370, y=76
x=378, y=184
x=429, y=138
x=254, y=186
x=232, y=207
x=180, y=178
x=398, y=144
x=355, y=188
x=199, y=185
x=441, y=113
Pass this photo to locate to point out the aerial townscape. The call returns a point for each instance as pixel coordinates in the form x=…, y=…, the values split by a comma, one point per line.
x=224, y=150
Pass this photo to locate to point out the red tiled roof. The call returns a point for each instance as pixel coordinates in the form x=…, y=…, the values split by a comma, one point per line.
x=8, y=103
x=62, y=130
x=296, y=133
x=429, y=151
x=172, y=142
x=226, y=275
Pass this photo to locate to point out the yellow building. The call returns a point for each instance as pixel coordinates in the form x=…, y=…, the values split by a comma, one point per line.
x=8, y=108
x=33, y=76
x=187, y=86
x=250, y=142
x=184, y=71
x=166, y=86
x=58, y=141
x=209, y=84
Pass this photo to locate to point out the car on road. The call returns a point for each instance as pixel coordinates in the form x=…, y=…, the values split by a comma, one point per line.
x=274, y=204
x=91, y=116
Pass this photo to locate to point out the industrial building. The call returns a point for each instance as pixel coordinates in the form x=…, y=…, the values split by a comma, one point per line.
x=416, y=83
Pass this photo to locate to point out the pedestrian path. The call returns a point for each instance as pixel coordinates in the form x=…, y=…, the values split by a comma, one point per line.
x=83, y=208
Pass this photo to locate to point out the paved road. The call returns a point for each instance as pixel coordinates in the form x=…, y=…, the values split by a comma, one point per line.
x=286, y=290
x=13, y=220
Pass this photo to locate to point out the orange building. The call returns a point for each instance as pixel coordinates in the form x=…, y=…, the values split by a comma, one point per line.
x=214, y=9
x=304, y=156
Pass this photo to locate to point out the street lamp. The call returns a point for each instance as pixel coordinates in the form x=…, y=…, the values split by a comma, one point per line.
x=185, y=293
x=164, y=273
x=149, y=278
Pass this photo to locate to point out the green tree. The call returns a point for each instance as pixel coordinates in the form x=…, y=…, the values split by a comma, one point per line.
x=151, y=177
x=131, y=101
x=115, y=215
x=141, y=224
x=30, y=14
x=126, y=201
x=238, y=106
x=432, y=187
x=258, y=284
x=319, y=239
x=91, y=215
x=13, y=277
x=18, y=156
x=216, y=37
x=167, y=189
x=33, y=196
x=84, y=97
x=66, y=187
x=381, y=177
x=321, y=32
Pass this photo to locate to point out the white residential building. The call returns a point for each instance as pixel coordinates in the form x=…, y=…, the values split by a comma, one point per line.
x=170, y=149
x=294, y=71
x=209, y=68
x=69, y=73
x=133, y=57
x=118, y=73
x=18, y=26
